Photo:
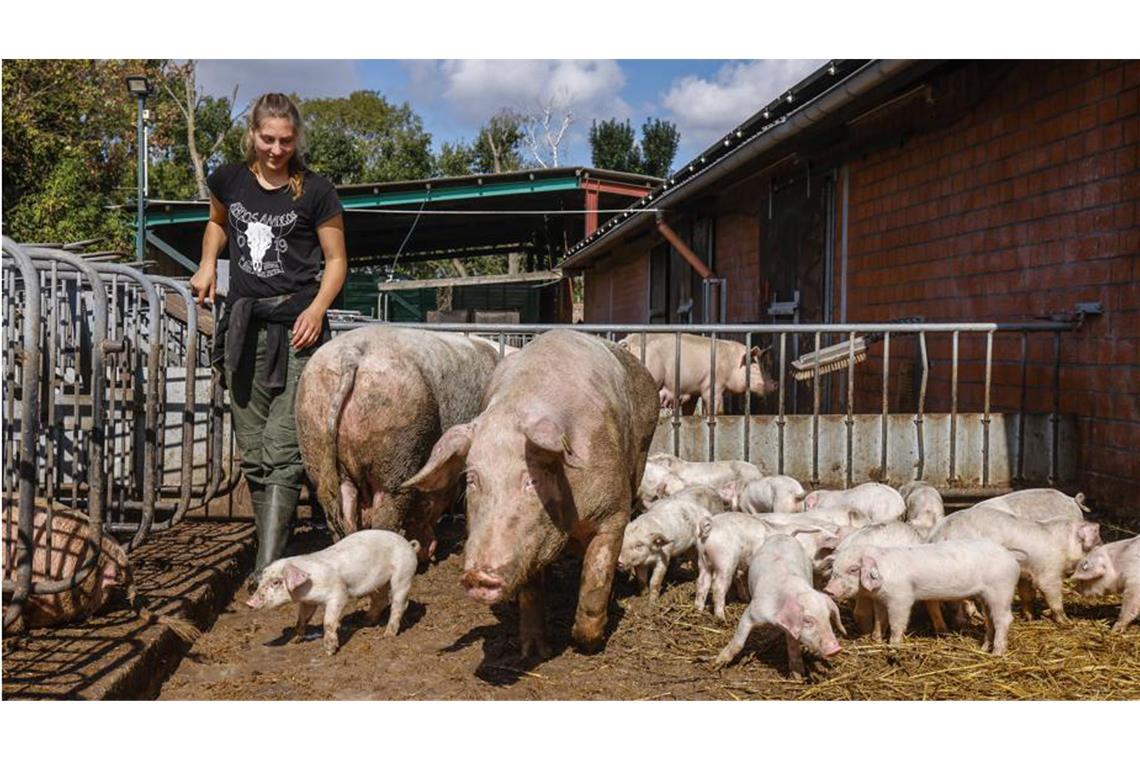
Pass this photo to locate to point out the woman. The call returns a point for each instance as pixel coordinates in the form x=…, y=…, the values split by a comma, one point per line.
x=278, y=219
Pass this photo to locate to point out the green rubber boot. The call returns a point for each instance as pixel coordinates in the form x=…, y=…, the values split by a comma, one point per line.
x=277, y=508
x=256, y=500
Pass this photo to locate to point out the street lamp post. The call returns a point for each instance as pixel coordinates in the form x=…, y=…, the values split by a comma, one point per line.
x=141, y=88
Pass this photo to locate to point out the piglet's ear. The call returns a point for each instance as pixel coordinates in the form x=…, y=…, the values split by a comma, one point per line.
x=728, y=492
x=791, y=616
x=545, y=434
x=1088, y=570
x=869, y=574
x=1089, y=533
x=830, y=540
x=447, y=460
x=833, y=613
x=295, y=577
x=658, y=540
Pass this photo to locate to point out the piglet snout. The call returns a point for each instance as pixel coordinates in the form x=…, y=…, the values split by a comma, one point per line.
x=830, y=648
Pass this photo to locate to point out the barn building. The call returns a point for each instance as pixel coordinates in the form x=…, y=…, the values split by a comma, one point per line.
x=935, y=191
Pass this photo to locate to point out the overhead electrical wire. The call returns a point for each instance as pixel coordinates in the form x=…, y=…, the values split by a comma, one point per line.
x=392, y=272
x=495, y=212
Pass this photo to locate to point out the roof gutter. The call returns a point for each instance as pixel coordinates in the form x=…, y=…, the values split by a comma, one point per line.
x=821, y=108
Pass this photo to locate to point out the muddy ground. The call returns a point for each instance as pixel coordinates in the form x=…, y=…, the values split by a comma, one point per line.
x=451, y=647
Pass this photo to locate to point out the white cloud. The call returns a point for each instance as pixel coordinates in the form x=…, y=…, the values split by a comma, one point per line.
x=473, y=90
x=705, y=109
x=309, y=79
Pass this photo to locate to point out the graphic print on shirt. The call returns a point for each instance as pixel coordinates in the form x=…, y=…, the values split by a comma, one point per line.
x=261, y=239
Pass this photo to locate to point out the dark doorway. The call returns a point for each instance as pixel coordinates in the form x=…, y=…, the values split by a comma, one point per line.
x=796, y=255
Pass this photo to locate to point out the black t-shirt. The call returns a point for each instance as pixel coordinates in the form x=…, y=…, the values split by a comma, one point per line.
x=273, y=244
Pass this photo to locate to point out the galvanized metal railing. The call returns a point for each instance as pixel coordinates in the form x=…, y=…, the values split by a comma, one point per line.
x=93, y=377
x=959, y=452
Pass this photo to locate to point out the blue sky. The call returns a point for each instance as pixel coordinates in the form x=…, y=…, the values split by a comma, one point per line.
x=705, y=97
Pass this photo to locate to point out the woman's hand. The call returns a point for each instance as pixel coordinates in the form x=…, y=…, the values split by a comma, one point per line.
x=307, y=327
x=204, y=283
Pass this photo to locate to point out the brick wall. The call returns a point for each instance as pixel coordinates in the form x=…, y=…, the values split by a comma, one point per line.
x=617, y=288
x=1027, y=204
x=737, y=237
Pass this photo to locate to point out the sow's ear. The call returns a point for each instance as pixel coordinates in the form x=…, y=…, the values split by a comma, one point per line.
x=544, y=433
x=448, y=457
x=754, y=354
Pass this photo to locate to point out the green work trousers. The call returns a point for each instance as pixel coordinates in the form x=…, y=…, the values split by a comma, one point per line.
x=264, y=423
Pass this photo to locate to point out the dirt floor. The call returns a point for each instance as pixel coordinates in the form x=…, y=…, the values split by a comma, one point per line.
x=454, y=648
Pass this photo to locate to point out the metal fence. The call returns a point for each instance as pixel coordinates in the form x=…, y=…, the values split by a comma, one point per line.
x=108, y=392
x=966, y=448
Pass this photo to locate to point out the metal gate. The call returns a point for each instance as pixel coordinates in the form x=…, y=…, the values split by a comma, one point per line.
x=109, y=405
x=964, y=446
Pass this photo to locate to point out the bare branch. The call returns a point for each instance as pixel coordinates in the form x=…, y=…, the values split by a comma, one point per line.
x=233, y=120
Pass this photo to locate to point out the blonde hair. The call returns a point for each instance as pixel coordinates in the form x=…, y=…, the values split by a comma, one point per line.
x=275, y=105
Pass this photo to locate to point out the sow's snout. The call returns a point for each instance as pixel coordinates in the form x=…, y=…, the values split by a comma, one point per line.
x=484, y=585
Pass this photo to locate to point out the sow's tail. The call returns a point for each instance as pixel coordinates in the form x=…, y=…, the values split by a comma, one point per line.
x=328, y=469
x=1080, y=500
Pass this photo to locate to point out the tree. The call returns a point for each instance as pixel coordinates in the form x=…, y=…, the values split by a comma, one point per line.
x=69, y=148
x=207, y=120
x=497, y=145
x=613, y=146
x=544, y=128
x=455, y=160
x=390, y=139
x=335, y=155
x=659, y=141
x=494, y=150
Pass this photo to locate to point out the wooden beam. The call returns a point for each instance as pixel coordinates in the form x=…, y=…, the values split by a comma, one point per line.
x=614, y=188
x=459, y=282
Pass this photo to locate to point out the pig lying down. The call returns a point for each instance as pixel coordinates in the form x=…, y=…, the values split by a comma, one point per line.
x=876, y=501
x=774, y=493
x=779, y=577
x=703, y=496
x=1113, y=569
x=666, y=474
x=372, y=563
x=71, y=548
x=552, y=462
x=896, y=577
x=668, y=530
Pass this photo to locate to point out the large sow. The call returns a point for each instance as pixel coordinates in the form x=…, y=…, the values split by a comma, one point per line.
x=370, y=405
x=552, y=462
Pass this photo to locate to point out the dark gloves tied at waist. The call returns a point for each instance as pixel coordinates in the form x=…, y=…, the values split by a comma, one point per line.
x=279, y=313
